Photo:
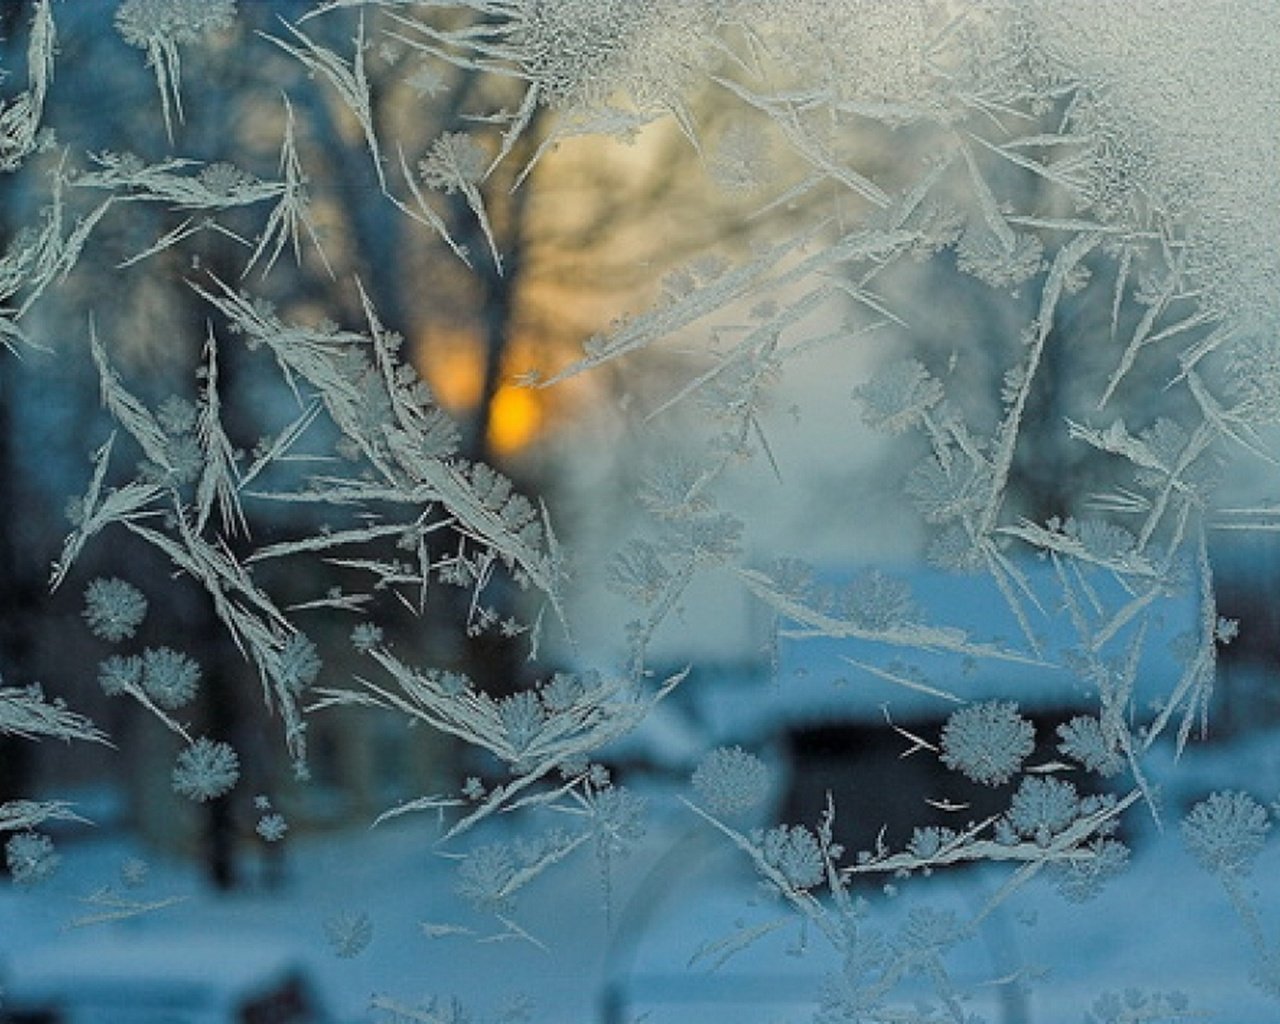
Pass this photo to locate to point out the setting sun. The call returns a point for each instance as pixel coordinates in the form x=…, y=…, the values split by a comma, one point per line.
x=514, y=420
x=454, y=370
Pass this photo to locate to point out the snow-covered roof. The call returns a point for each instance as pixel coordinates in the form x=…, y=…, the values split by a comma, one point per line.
x=203, y=975
x=968, y=645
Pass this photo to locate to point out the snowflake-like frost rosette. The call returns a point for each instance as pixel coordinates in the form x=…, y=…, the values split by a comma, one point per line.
x=1084, y=740
x=31, y=858
x=224, y=179
x=484, y=877
x=1043, y=807
x=169, y=677
x=114, y=609
x=1225, y=832
x=142, y=23
x=119, y=674
x=580, y=53
x=349, y=932
x=456, y=161
x=617, y=820
x=272, y=827
x=729, y=780
x=206, y=770
x=178, y=415
x=134, y=872
x=298, y=664
x=1080, y=878
x=366, y=636
x=987, y=742
x=794, y=851
x=898, y=396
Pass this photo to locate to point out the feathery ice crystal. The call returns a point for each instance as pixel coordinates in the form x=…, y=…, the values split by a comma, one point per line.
x=114, y=608
x=206, y=770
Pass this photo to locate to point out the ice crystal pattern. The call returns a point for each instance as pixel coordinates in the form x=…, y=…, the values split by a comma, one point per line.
x=730, y=780
x=1082, y=877
x=169, y=677
x=299, y=662
x=987, y=741
x=1043, y=807
x=119, y=674
x=348, y=932
x=272, y=827
x=1025, y=241
x=206, y=770
x=1225, y=832
x=793, y=851
x=140, y=22
x=485, y=877
x=1083, y=740
x=31, y=858
x=114, y=609
x=456, y=161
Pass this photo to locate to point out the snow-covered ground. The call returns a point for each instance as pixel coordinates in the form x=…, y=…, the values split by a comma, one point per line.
x=1163, y=926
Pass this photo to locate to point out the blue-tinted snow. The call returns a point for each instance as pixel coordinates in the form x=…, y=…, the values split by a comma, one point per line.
x=1166, y=925
x=821, y=679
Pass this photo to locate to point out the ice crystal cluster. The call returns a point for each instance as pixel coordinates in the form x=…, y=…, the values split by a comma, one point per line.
x=30, y=858
x=114, y=608
x=730, y=780
x=987, y=741
x=141, y=21
x=1032, y=243
x=206, y=770
x=1225, y=832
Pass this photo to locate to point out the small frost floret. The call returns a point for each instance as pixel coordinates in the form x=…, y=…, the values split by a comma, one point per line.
x=142, y=23
x=899, y=396
x=929, y=841
x=349, y=932
x=988, y=259
x=456, y=161
x=134, y=872
x=185, y=458
x=617, y=820
x=1135, y=1005
x=114, y=609
x=223, y=179
x=1043, y=807
x=523, y=717
x=930, y=932
x=1225, y=832
x=1084, y=740
x=365, y=637
x=31, y=858
x=1082, y=877
x=794, y=852
x=877, y=601
x=730, y=780
x=169, y=677
x=272, y=827
x=987, y=742
x=299, y=663
x=177, y=415
x=484, y=878
x=206, y=770
x=118, y=674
